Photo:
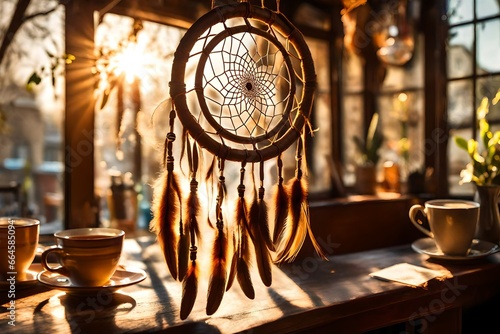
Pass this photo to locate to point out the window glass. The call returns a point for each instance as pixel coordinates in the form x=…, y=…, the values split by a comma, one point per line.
x=352, y=125
x=488, y=87
x=31, y=116
x=352, y=72
x=402, y=120
x=460, y=103
x=460, y=11
x=457, y=161
x=352, y=113
x=459, y=53
x=486, y=8
x=488, y=46
x=129, y=131
x=409, y=76
x=320, y=179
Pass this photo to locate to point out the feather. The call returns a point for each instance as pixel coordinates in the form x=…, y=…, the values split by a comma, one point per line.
x=263, y=222
x=262, y=256
x=243, y=269
x=280, y=204
x=217, y=283
x=166, y=212
x=232, y=271
x=295, y=230
x=189, y=290
x=192, y=213
x=299, y=224
x=183, y=254
x=241, y=258
x=315, y=243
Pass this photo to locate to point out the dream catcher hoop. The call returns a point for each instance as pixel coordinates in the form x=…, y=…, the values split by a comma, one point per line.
x=246, y=80
x=242, y=85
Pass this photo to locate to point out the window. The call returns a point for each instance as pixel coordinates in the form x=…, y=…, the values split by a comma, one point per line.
x=473, y=51
x=374, y=83
x=135, y=65
x=31, y=115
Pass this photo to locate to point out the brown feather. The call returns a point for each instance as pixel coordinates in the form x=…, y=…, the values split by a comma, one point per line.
x=293, y=235
x=315, y=243
x=166, y=213
x=189, y=290
x=192, y=213
x=300, y=224
x=217, y=283
x=232, y=271
x=183, y=254
x=243, y=268
x=280, y=204
x=262, y=256
x=263, y=222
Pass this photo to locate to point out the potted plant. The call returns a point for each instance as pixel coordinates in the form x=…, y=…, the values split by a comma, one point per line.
x=368, y=148
x=484, y=171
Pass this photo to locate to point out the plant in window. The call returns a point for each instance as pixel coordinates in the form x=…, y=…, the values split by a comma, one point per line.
x=369, y=147
x=484, y=171
x=484, y=167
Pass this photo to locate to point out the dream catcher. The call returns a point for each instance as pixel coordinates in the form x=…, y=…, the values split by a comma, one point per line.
x=242, y=86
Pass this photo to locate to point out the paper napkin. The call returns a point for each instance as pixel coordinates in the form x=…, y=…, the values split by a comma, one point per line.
x=410, y=274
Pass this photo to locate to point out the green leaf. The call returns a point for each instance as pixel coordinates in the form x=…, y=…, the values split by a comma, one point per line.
x=461, y=143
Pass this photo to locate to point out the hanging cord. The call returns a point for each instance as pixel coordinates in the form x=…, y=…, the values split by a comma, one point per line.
x=190, y=282
x=218, y=278
x=166, y=205
x=280, y=204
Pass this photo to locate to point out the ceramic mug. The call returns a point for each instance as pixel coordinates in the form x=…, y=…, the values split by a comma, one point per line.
x=18, y=243
x=87, y=256
x=452, y=223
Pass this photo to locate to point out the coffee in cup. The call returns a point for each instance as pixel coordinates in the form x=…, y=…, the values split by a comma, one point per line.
x=87, y=256
x=452, y=223
x=18, y=243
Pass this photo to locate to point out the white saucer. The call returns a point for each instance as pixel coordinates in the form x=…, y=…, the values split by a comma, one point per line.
x=29, y=281
x=479, y=249
x=121, y=278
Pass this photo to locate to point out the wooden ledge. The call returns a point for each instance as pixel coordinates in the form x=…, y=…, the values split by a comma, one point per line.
x=308, y=295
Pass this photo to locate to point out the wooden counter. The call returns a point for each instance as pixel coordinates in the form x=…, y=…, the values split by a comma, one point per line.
x=330, y=297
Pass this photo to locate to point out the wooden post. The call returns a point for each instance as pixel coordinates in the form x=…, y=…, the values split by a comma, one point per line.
x=80, y=207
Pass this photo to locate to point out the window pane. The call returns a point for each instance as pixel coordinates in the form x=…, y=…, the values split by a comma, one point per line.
x=460, y=104
x=402, y=117
x=31, y=121
x=458, y=160
x=460, y=51
x=352, y=72
x=488, y=87
x=352, y=125
x=488, y=46
x=140, y=130
x=320, y=178
x=409, y=76
x=486, y=8
x=460, y=11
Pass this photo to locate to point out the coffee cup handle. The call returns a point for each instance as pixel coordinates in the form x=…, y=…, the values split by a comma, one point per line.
x=56, y=250
x=418, y=224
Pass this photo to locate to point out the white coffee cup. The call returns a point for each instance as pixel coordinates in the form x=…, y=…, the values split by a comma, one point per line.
x=18, y=243
x=88, y=256
x=452, y=223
